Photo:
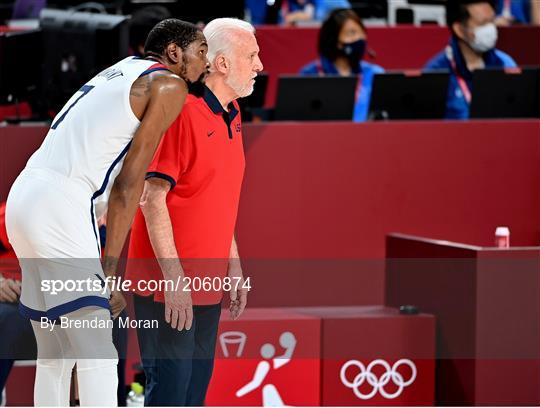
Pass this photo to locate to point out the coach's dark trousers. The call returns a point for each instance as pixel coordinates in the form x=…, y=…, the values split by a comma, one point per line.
x=177, y=364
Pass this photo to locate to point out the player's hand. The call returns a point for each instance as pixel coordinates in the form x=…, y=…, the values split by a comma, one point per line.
x=238, y=293
x=178, y=309
x=117, y=303
x=10, y=290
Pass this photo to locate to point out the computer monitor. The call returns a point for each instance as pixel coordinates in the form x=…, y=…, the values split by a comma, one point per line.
x=409, y=95
x=256, y=99
x=506, y=93
x=315, y=98
x=252, y=105
x=21, y=65
x=77, y=46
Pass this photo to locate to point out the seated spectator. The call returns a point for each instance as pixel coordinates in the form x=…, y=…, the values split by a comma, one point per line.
x=517, y=12
x=342, y=45
x=298, y=11
x=18, y=340
x=323, y=8
x=471, y=46
x=311, y=10
x=291, y=12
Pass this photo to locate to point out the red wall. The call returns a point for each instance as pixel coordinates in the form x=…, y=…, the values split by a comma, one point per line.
x=335, y=190
x=17, y=143
x=326, y=194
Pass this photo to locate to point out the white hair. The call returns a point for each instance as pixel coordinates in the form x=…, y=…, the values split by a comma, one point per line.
x=220, y=35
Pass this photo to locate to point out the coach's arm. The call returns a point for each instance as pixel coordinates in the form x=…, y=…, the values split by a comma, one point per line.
x=178, y=304
x=238, y=293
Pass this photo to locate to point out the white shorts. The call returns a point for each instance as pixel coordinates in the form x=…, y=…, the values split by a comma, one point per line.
x=51, y=225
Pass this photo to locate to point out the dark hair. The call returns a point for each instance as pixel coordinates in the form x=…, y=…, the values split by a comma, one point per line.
x=142, y=21
x=457, y=11
x=330, y=29
x=170, y=31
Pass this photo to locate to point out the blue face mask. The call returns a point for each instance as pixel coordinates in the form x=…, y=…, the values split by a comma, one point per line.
x=354, y=51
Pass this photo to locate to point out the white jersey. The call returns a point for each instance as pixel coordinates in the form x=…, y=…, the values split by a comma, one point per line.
x=90, y=136
x=53, y=206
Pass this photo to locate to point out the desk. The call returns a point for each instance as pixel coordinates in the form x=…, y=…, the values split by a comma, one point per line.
x=487, y=302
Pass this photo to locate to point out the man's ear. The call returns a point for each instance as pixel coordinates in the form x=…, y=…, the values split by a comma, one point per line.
x=174, y=53
x=221, y=64
x=459, y=30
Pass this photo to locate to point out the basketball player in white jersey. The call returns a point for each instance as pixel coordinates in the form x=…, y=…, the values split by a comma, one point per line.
x=94, y=156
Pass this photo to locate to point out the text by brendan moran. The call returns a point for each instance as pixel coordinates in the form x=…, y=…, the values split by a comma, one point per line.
x=65, y=322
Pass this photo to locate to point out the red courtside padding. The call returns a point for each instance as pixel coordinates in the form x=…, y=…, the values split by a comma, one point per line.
x=322, y=196
x=267, y=356
x=344, y=356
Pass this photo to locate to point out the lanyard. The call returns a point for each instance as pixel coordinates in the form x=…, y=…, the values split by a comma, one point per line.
x=460, y=80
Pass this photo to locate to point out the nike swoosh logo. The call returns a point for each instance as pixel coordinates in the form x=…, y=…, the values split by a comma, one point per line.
x=211, y=133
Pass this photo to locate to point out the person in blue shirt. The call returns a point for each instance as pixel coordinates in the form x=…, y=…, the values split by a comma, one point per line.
x=324, y=7
x=517, y=12
x=342, y=45
x=471, y=46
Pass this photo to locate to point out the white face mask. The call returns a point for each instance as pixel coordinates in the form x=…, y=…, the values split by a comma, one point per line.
x=485, y=38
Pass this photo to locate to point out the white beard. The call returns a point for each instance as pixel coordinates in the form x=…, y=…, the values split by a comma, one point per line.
x=241, y=91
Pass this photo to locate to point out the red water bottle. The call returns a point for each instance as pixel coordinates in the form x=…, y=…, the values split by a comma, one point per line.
x=502, y=237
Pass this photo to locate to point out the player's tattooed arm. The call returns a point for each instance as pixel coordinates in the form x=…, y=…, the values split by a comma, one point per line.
x=141, y=87
x=167, y=96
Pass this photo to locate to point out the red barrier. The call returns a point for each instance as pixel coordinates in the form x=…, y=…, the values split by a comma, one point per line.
x=286, y=50
x=334, y=190
x=267, y=357
x=486, y=301
x=348, y=356
x=326, y=194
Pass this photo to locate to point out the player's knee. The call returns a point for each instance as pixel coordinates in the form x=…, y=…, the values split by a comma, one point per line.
x=58, y=364
x=97, y=364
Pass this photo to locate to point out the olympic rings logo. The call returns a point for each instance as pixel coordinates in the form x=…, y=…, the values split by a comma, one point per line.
x=378, y=384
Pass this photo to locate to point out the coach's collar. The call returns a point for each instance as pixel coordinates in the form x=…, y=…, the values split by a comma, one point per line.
x=214, y=104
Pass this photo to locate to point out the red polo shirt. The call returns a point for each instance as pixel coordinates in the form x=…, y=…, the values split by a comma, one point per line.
x=202, y=157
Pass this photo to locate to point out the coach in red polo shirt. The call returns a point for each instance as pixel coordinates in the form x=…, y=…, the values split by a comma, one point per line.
x=185, y=228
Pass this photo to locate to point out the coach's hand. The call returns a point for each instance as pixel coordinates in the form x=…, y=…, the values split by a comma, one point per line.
x=117, y=303
x=178, y=309
x=10, y=290
x=238, y=292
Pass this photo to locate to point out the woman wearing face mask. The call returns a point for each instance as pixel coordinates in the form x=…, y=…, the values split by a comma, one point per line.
x=471, y=46
x=342, y=45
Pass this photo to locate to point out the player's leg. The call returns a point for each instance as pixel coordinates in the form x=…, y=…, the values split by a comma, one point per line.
x=97, y=358
x=53, y=368
x=58, y=245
